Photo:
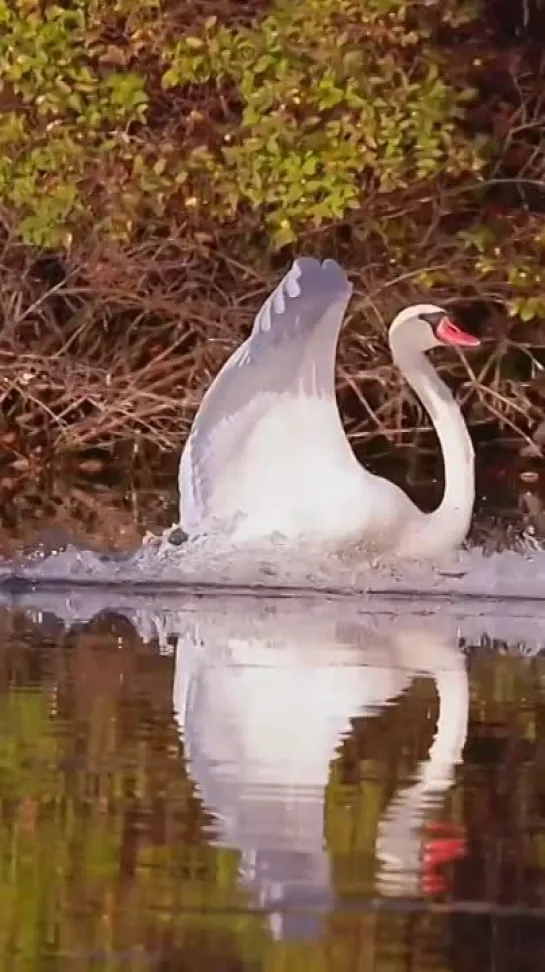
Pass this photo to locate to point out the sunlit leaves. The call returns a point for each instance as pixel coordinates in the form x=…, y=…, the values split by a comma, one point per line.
x=335, y=98
x=66, y=103
x=326, y=114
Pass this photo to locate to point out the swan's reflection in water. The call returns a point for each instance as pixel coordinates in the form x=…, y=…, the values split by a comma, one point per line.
x=264, y=703
x=264, y=694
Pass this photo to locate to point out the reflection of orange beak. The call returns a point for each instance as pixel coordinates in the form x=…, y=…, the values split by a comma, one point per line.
x=445, y=843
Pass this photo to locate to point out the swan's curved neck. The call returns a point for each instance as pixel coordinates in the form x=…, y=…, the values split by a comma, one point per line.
x=448, y=525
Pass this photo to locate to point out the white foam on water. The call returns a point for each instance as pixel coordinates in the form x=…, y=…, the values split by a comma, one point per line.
x=213, y=560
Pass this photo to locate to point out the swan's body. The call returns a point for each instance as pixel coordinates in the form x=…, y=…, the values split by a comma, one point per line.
x=267, y=453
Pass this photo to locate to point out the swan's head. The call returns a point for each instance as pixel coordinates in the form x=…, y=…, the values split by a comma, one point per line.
x=425, y=326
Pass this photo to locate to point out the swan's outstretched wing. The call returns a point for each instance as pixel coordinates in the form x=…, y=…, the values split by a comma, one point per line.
x=290, y=352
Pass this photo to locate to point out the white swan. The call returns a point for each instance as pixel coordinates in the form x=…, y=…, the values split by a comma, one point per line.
x=267, y=453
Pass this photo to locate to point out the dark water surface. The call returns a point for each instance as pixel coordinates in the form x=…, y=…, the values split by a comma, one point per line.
x=239, y=787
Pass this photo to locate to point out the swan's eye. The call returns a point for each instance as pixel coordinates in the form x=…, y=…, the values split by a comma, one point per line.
x=433, y=318
x=448, y=332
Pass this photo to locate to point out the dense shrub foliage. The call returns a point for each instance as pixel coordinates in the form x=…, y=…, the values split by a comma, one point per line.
x=303, y=115
x=161, y=159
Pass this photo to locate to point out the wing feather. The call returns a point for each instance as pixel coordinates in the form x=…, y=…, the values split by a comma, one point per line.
x=290, y=351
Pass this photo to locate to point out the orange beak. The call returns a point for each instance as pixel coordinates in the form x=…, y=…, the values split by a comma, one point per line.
x=449, y=333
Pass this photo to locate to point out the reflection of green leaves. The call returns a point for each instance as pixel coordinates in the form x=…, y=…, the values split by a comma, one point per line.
x=28, y=749
x=71, y=790
x=102, y=851
x=45, y=833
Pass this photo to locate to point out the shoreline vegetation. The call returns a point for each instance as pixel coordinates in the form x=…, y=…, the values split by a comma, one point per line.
x=161, y=162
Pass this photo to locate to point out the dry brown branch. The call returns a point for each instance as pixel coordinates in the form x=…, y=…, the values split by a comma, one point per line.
x=117, y=347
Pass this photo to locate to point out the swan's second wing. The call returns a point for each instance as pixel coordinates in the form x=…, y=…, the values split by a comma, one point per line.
x=310, y=292
x=290, y=351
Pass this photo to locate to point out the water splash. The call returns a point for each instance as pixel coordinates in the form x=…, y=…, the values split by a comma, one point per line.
x=213, y=561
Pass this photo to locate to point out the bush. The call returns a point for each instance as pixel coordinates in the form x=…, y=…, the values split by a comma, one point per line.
x=166, y=160
x=337, y=105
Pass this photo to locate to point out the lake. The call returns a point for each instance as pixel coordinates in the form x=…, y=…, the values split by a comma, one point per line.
x=243, y=783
